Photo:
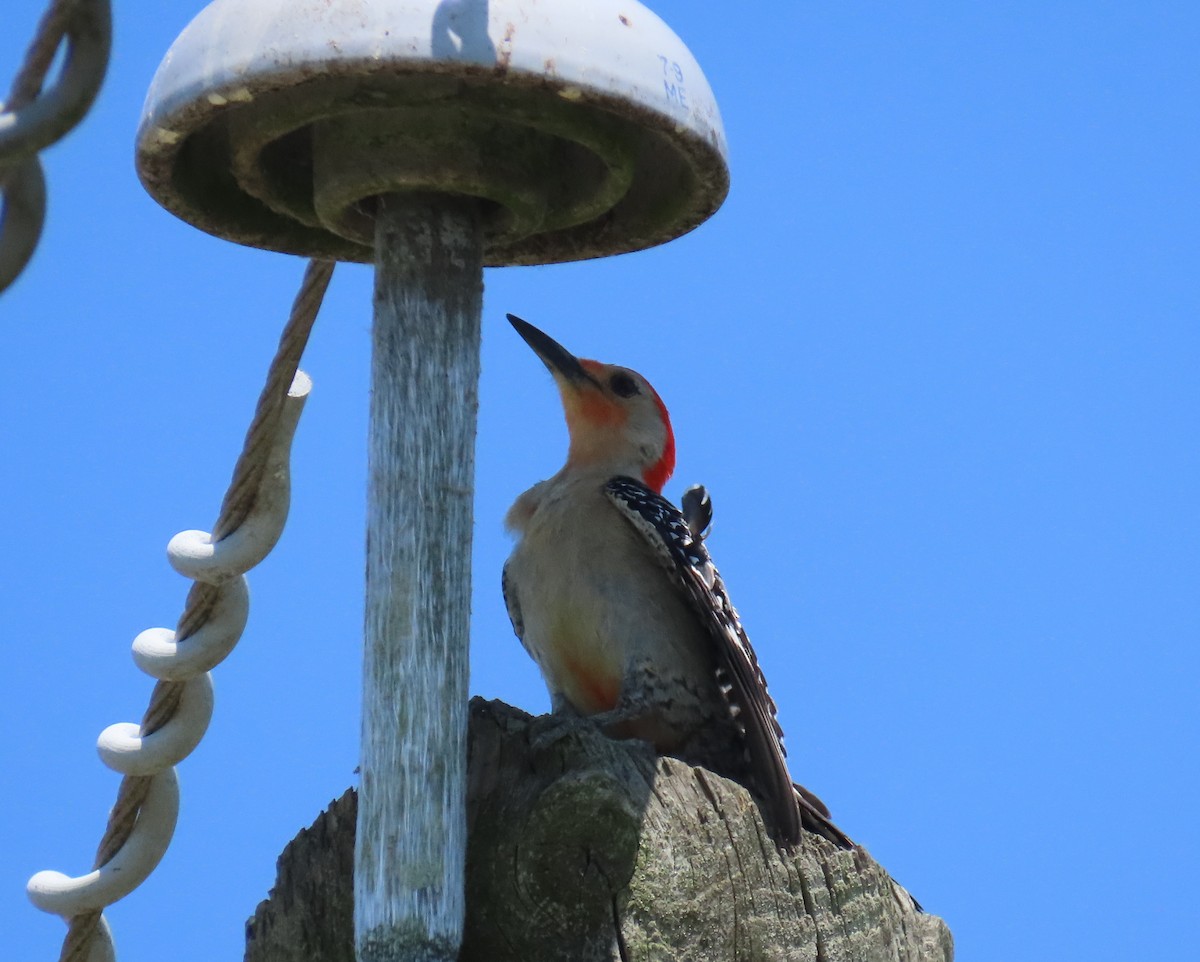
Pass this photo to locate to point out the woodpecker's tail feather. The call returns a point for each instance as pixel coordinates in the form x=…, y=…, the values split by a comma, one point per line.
x=697, y=509
x=814, y=817
x=812, y=799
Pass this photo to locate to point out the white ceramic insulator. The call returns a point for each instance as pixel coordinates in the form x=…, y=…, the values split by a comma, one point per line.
x=63, y=895
x=193, y=553
x=124, y=749
x=159, y=655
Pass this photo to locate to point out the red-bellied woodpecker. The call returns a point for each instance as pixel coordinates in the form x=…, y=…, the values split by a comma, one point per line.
x=611, y=590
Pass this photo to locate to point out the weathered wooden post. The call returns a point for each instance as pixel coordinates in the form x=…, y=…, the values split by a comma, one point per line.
x=589, y=849
x=429, y=137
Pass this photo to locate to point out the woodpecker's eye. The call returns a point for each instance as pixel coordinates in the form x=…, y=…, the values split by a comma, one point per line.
x=623, y=385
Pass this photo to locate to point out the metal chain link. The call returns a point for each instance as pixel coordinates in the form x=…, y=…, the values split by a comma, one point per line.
x=33, y=118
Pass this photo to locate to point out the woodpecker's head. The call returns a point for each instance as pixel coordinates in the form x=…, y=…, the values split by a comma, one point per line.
x=615, y=418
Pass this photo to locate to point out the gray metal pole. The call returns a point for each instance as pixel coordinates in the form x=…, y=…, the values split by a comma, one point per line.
x=409, y=854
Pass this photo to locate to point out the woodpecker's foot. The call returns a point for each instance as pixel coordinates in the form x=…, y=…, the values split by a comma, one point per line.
x=620, y=723
x=547, y=730
x=639, y=724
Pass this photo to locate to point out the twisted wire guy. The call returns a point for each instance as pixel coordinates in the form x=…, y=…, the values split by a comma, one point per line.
x=249, y=524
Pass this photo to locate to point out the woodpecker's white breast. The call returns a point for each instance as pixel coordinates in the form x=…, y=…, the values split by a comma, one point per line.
x=593, y=606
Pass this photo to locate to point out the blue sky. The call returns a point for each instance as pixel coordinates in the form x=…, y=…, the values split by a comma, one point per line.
x=935, y=358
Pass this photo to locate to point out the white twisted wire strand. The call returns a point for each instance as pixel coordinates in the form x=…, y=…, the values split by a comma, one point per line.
x=248, y=525
x=101, y=948
x=34, y=117
x=157, y=652
x=66, y=896
x=194, y=554
x=123, y=747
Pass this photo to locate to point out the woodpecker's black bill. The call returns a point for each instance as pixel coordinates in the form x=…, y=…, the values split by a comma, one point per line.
x=553, y=355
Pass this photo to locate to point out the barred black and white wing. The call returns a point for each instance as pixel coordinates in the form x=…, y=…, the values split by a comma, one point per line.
x=682, y=554
x=513, y=606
